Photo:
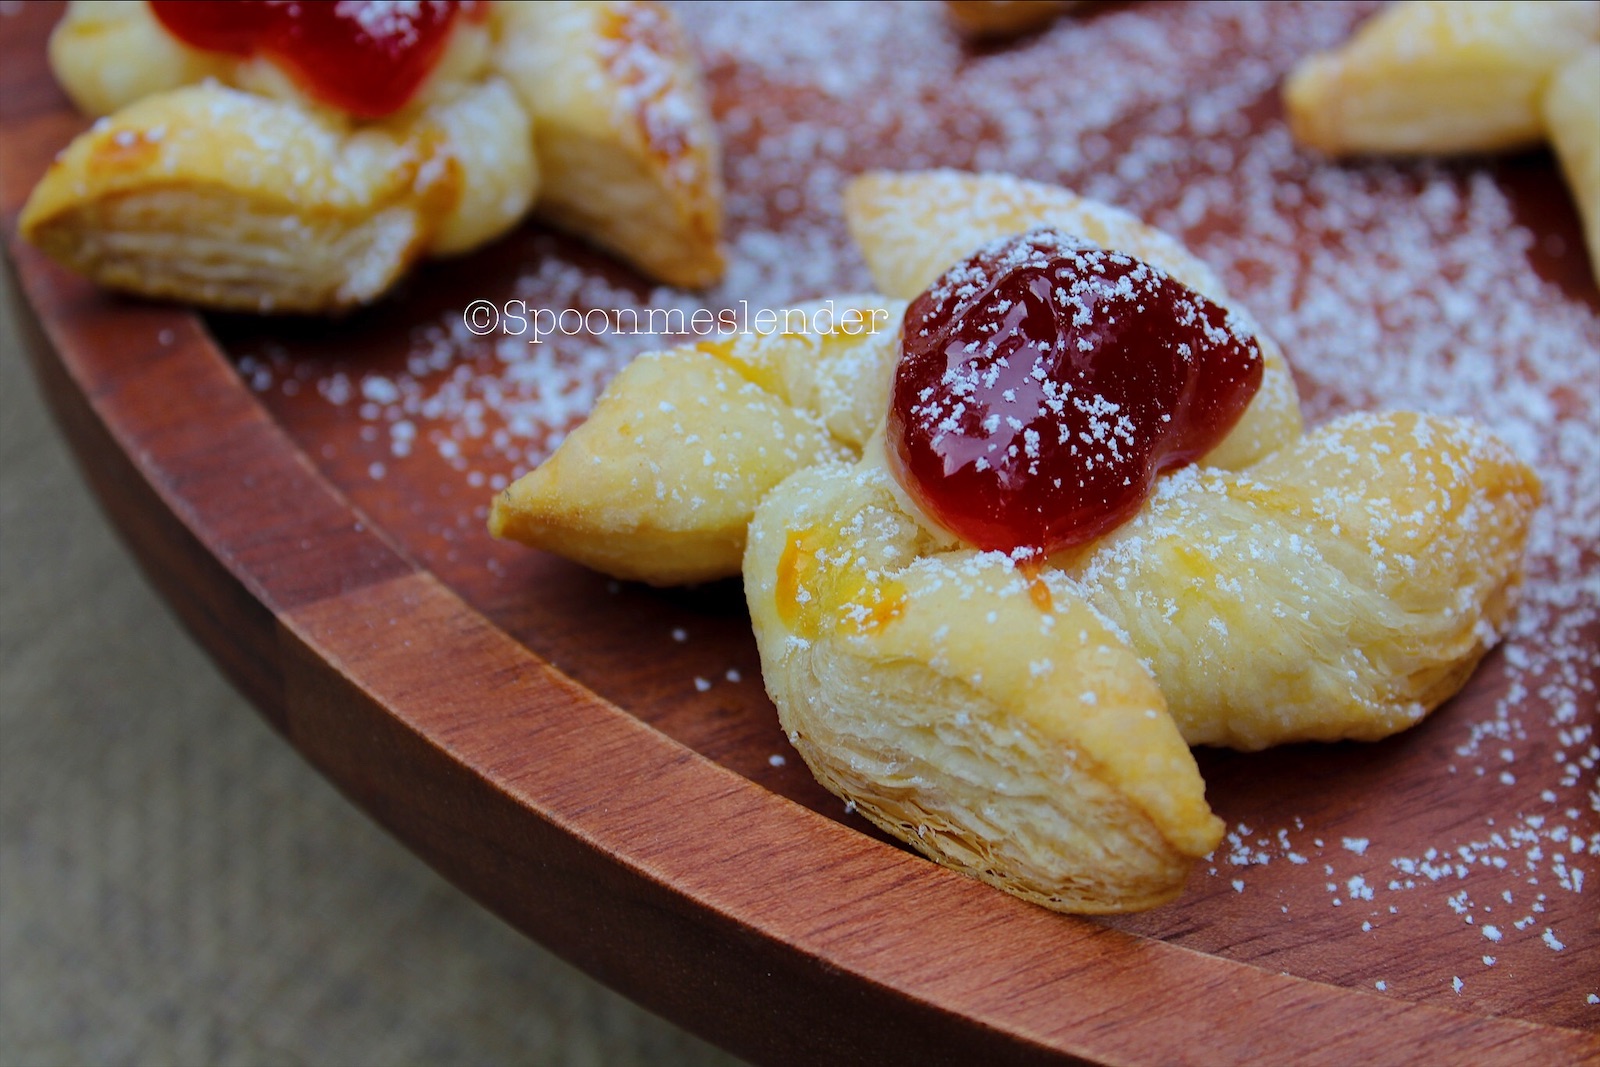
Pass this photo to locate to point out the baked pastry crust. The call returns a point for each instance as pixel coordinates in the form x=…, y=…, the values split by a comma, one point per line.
x=625, y=140
x=234, y=200
x=1444, y=76
x=1340, y=589
x=1014, y=740
x=1572, y=121
x=604, y=96
x=744, y=413
x=1029, y=727
x=1436, y=76
x=106, y=54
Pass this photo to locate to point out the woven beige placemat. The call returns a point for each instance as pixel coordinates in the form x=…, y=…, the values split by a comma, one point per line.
x=177, y=886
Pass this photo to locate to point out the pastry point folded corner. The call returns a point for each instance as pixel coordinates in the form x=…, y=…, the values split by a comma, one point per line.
x=234, y=200
x=1340, y=589
x=660, y=481
x=1572, y=119
x=630, y=157
x=913, y=226
x=1438, y=76
x=1015, y=740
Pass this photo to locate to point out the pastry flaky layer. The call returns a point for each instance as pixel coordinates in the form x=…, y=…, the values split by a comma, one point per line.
x=1008, y=734
x=1029, y=725
x=628, y=152
x=230, y=199
x=216, y=180
x=1342, y=588
x=1443, y=76
x=660, y=482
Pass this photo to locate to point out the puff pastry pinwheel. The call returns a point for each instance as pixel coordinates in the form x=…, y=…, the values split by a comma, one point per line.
x=1442, y=76
x=1010, y=554
x=300, y=157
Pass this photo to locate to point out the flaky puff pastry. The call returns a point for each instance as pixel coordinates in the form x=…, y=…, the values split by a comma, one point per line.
x=1010, y=736
x=1341, y=588
x=1427, y=76
x=1572, y=122
x=625, y=139
x=741, y=413
x=224, y=222
x=1444, y=76
x=234, y=200
x=1335, y=585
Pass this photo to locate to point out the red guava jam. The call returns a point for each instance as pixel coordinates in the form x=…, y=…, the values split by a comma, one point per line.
x=1044, y=383
x=367, y=57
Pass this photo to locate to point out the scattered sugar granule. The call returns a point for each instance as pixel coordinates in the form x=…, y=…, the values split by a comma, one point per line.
x=1358, y=845
x=679, y=634
x=701, y=684
x=1456, y=984
x=1491, y=931
x=1380, y=985
x=1549, y=938
x=776, y=760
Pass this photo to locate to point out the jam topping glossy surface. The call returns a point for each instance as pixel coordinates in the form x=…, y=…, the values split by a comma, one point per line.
x=367, y=57
x=1045, y=382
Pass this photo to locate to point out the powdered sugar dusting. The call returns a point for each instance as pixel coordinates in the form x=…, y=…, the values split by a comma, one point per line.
x=639, y=52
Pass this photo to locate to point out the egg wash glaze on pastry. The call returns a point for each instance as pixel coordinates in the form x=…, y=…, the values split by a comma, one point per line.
x=1045, y=382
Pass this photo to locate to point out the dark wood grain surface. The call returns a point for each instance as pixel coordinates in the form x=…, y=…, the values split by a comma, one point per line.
x=599, y=764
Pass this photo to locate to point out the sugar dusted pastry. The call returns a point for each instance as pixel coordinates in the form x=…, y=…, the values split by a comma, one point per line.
x=625, y=137
x=743, y=412
x=1443, y=76
x=108, y=53
x=300, y=157
x=1342, y=588
x=230, y=199
x=1572, y=118
x=1427, y=76
x=1017, y=741
x=993, y=620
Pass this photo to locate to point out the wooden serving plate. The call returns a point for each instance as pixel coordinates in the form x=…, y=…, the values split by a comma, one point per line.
x=597, y=762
